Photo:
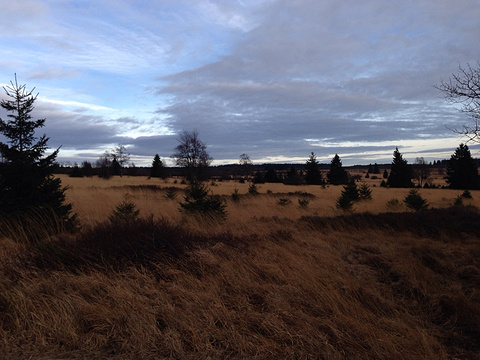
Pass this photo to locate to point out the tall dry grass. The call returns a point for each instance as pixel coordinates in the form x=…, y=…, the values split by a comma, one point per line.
x=93, y=199
x=271, y=281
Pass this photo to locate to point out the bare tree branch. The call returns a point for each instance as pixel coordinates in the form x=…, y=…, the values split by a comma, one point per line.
x=464, y=88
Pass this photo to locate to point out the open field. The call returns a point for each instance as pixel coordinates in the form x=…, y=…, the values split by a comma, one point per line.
x=270, y=282
x=94, y=198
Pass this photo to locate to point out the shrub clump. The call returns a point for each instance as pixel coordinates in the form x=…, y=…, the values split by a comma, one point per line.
x=284, y=201
x=303, y=203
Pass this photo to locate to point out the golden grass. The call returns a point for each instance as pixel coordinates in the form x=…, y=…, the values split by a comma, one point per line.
x=270, y=282
x=93, y=199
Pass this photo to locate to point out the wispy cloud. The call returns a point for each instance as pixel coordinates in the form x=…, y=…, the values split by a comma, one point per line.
x=76, y=104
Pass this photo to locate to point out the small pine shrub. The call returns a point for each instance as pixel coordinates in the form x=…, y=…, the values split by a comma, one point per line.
x=364, y=193
x=344, y=203
x=126, y=211
x=350, y=194
x=171, y=194
x=200, y=203
x=393, y=204
x=351, y=190
x=467, y=194
x=458, y=201
x=415, y=201
x=253, y=189
x=235, y=196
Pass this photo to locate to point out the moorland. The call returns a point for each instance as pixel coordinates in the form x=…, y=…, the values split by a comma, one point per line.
x=277, y=278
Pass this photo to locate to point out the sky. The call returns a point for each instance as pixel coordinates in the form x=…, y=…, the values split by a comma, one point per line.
x=275, y=79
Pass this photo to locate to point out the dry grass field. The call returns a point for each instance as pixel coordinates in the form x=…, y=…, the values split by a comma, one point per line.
x=270, y=282
x=94, y=198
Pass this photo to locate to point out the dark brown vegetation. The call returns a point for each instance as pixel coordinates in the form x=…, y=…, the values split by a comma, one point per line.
x=362, y=286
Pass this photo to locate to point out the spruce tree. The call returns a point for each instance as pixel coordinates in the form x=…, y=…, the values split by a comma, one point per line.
x=158, y=169
x=462, y=170
x=337, y=174
x=400, y=172
x=293, y=177
x=349, y=196
x=27, y=184
x=271, y=176
x=313, y=175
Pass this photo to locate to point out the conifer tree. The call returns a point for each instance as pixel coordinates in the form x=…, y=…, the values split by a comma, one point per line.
x=364, y=192
x=400, y=172
x=271, y=176
x=462, y=170
x=313, y=175
x=158, y=169
x=337, y=174
x=349, y=195
x=258, y=178
x=115, y=167
x=26, y=175
x=293, y=177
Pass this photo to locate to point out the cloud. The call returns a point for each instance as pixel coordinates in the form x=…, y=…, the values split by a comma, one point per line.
x=349, y=71
x=259, y=77
x=53, y=73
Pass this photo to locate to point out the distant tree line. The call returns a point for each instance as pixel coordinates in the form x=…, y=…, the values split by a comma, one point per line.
x=461, y=168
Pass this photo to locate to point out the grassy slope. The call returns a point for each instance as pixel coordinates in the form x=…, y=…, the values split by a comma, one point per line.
x=388, y=286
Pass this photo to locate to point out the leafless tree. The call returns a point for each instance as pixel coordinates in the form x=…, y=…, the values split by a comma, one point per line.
x=464, y=88
x=245, y=164
x=421, y=171
x=191, y=154
x=103, y=164
x=120, y=154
